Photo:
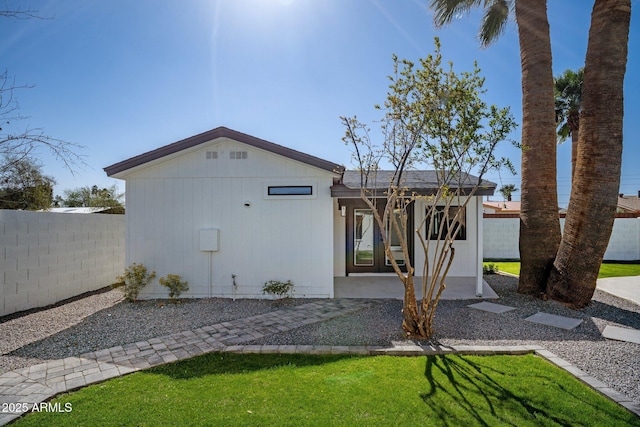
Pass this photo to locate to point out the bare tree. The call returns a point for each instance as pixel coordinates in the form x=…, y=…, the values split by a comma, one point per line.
x=22, y=142
x=19, y=13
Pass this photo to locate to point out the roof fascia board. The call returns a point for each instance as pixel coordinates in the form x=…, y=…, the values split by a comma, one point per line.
x=346, y=192
x=121, y=169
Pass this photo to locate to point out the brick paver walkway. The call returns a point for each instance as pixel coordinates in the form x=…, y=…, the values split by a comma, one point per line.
x=35, y=384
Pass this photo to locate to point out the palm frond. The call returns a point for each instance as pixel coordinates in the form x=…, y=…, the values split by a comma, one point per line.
x=444, y=11
x=494, y=22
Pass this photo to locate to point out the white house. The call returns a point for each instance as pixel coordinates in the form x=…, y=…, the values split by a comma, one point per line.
x=228, y=212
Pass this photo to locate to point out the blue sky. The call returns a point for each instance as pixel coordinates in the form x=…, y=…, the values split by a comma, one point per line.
x=122, y=77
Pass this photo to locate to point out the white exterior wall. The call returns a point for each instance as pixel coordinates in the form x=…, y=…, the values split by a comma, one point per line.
x=465, y=261
x=275, y=238
x=339, y=242
x=501, y=239
x=48, y=257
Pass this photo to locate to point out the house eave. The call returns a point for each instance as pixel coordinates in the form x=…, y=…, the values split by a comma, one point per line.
x=342, y=191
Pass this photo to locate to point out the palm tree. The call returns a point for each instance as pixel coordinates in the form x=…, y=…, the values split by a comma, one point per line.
x=593, y=201
x=568, y=92
x=539, y=222
x=507, y=191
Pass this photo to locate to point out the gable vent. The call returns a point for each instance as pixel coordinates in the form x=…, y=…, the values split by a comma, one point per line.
x=238, y=155
x=212, y=155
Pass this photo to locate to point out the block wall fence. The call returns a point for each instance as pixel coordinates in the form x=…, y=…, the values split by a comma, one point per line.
x=501, y=234
x=47, y=257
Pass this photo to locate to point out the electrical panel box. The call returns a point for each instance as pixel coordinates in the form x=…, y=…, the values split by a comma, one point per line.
x=210, y=239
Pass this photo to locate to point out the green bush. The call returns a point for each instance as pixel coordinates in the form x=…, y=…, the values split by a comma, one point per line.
x=175, y=284
x=278, y=288
x=135, y=278
x=490, y=268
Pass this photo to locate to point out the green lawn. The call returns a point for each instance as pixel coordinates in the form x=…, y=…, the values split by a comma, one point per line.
x=606, y=269
x=618, y=270
x=235, y=389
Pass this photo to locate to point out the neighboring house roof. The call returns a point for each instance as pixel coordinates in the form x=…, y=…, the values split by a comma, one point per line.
x=629, y=203
x=419, y=182
x=221, y=132
x=502, y=207
x=508, y=207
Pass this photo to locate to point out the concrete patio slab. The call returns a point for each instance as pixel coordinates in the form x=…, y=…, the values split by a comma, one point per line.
x=388, y=286
x=491, y=307
x=562, y=322
x=622, y=334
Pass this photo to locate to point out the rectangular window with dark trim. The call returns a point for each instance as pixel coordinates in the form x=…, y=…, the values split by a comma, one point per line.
x=290, y=190
x=444, y=218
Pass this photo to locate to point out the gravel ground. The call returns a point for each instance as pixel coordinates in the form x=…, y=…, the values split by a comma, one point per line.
x=103, y=321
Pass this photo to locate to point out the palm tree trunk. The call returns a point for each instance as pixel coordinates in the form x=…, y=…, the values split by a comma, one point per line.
x=539, y=222
x=573, y=121
x=592, y=205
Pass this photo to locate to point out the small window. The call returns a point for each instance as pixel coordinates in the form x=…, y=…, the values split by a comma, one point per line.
x=447, y=217
x=238, y=155
x=212, y=155
x=290, y=190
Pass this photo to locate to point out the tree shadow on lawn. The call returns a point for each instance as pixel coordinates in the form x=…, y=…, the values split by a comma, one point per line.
x=239, y=363
x=471, y=384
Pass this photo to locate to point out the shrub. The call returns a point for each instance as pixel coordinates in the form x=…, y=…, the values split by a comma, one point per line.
x=490, y=268
x=135, y=278
x=175, y=284
x=278, y=288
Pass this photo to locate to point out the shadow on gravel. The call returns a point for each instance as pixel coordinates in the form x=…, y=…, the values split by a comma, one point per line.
x=24, y=313
x=613, y=314
x=459, y=322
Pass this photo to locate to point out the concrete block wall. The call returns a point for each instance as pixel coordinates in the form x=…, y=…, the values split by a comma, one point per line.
x=500, y=238
x=501, y=234
x=624, y=244
x=47, y=257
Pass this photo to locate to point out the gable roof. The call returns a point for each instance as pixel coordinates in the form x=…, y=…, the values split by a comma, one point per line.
x=629, y=203
x=221, y=132
x=416, y=181
x=502, y=207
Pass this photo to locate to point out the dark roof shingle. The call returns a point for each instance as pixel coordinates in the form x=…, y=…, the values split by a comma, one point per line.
x=418, y=181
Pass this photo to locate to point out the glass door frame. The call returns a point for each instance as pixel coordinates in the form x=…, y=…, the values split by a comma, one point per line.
x=379, y=257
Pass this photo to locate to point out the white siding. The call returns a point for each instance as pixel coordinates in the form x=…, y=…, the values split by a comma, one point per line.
x=339, y=242
x=279, y=238
x=465, y=260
